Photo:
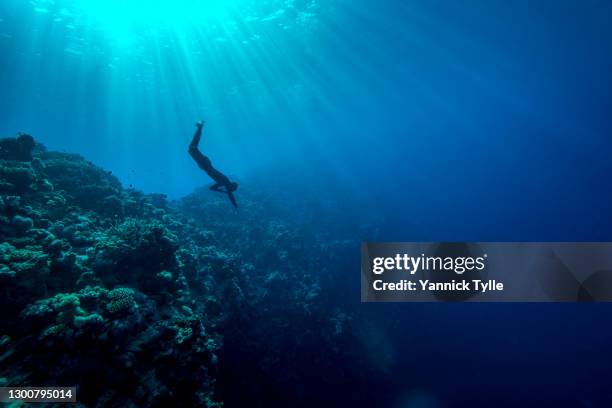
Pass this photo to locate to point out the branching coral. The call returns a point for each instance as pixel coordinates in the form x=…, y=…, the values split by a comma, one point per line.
x=121, y=299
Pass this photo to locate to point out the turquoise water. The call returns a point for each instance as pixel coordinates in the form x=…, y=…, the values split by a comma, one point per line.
x=439, y=103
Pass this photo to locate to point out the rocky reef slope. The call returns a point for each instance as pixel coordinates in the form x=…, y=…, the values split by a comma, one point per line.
x=142, y=302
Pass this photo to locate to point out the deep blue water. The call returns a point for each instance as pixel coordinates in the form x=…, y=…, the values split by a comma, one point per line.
x=438, y=120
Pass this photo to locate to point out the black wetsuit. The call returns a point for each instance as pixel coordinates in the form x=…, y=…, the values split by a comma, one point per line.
x=220, y=179
x=205, y=164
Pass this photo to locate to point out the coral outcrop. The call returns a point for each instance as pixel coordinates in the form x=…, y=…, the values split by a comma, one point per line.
x=143, y=302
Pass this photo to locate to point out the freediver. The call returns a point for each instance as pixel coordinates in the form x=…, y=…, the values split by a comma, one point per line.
x=222, y=182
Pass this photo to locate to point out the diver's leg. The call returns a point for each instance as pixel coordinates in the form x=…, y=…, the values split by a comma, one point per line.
x=194, y=152
x=196, y=136
x=202, y=161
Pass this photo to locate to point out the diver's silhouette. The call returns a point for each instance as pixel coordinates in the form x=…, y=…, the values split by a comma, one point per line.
x=220, y=179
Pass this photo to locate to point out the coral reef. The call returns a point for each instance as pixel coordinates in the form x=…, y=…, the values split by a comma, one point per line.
x=143, y=302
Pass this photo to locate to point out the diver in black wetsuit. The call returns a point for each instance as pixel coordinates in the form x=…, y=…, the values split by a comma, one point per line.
x=222, y=183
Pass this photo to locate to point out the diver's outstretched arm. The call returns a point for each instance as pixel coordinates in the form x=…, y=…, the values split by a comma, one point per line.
x=196, y=136
x=232, y=199
x=217, y=187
